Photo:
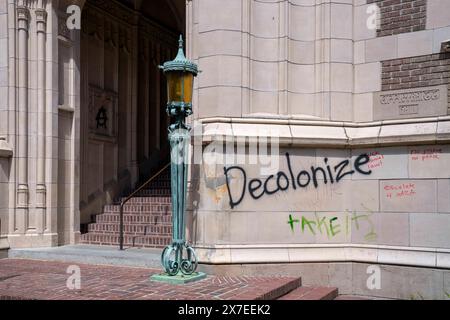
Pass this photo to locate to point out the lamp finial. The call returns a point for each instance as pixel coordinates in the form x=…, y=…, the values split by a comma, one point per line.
x=180, y=42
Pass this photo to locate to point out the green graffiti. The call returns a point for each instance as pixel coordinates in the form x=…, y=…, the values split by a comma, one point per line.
x=417, y=296
x=332, y=226
x=322, y=223
x=447, y=294
x=292, y=221
x=309, y=223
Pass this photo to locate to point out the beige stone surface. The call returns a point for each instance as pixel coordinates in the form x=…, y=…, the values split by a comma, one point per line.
x=219, y=42
x=301, y=52
x=220, y=70
x=301, y=79
x=363, y=107
x=400, y=282
x=385, y=163
x=408, y=133
x=214, y=98
x=380, y=49
x=429, y=161
x=440, y=35
x=303, y=62
x=225, y=18
x=430, y=230
x=265, y=18
x=341, y=77
x=444, y=195
x=408, y=195
x=341, y=20
x=367, y=77
x=415, y=44
x=306, y=30
x=360, y=30
x=438, y=14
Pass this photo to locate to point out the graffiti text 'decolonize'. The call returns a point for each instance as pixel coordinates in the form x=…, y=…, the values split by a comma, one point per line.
x=257, y=188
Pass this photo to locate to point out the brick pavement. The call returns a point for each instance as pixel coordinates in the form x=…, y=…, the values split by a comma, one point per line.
x=40, y=280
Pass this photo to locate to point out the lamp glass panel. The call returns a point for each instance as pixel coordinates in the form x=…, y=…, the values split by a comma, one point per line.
x=180, y=86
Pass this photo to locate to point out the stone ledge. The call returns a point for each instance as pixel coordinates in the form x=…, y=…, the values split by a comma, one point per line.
x=5, y=149
x=325, y=134
x=244, y=254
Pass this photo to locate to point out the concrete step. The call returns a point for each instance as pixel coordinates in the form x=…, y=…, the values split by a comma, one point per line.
x=311, y=293
x=96, y=255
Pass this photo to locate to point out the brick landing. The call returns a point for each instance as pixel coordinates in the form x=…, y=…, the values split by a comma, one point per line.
x=39, y=280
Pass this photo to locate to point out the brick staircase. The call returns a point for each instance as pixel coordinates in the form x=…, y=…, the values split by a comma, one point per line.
x=147, y=219
x=311, y=293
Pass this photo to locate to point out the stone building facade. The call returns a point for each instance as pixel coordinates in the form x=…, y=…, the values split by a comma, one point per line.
x=352, y=95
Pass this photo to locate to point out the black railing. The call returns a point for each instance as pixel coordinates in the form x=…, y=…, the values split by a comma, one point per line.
x=131, y=196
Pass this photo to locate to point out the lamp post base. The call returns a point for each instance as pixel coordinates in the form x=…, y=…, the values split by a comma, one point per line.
x=180, y=278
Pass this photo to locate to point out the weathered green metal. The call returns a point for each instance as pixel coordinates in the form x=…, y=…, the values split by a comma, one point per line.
x=179, y=257
x=180, y=63
x=179, y=278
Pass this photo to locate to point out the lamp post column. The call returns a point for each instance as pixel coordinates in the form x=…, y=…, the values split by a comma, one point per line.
x=179, y=259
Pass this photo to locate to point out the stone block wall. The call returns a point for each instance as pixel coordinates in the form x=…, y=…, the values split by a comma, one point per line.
x=306, y=59
x=375, y=204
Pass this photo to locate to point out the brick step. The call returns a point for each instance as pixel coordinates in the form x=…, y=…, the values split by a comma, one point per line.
x=145, y=213
x=145, y=219
x=148, y=241
x=159, y=184
x=272, y=288
x=154, y=192
x=156, y=200
x=136, y=229
x=311, y=293
x=138, y=208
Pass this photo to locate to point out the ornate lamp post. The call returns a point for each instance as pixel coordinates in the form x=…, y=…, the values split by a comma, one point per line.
x=179, y=259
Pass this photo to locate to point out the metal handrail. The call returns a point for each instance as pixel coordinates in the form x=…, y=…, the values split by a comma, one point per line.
x=131, y=196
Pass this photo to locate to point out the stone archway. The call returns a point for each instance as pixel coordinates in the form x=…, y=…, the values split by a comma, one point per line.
x=121, y=45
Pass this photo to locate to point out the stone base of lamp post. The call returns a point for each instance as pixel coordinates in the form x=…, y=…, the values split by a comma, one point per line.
x=180, y=278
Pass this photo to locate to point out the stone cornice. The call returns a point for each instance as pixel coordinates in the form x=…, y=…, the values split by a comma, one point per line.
x=326, y=134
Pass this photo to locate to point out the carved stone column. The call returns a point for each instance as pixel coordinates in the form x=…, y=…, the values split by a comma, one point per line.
x=41, y=188
x=23, y=18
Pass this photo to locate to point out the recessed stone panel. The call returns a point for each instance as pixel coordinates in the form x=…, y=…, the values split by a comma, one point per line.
x=444, y=195
x=408, y=195
x=429, y=161
x=411, y=103
x=430, y=230
x=384, y=163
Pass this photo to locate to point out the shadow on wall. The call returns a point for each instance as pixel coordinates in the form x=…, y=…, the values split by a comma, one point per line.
x=5, y=169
